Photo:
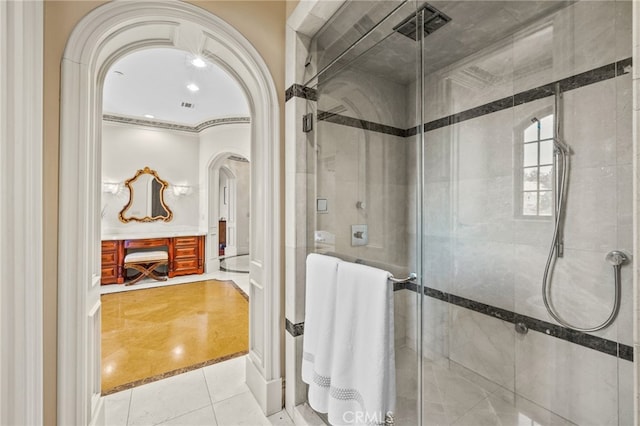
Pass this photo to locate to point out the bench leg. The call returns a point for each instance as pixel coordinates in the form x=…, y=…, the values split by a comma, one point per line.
x=146, y=270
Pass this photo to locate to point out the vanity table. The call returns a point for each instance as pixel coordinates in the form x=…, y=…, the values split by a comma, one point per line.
x=185, y=251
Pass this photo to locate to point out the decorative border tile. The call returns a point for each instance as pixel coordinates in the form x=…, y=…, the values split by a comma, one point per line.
x=360, y=124
x=172, y=373
x=599, y=344
x=300, y=91
x=173, y=126
x=294, y=329
x=570, y=83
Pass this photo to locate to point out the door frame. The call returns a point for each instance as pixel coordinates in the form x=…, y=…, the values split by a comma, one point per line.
x=101, y=38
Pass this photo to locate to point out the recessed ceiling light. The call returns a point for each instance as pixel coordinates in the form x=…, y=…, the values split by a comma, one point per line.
x=198, y=62
x=149, y=116
x=192, y=87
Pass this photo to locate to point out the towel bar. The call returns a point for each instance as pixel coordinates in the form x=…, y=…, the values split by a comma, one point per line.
x=412, y=276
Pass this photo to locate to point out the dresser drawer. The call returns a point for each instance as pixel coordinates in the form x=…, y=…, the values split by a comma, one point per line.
x=109, y=258
x=149, y=242
x=109, y=245
x=109, y=275
x=186, y=252
x=185, y=241
x=185, y=266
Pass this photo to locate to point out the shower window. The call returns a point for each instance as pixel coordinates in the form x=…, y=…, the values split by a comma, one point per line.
x=537, y=169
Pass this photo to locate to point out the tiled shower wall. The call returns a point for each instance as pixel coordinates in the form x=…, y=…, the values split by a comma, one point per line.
x=479, y=248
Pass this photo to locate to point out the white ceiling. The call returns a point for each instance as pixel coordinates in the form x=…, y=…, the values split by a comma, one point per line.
x=154, y=81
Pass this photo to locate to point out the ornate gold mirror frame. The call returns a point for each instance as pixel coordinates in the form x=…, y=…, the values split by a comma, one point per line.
x=151, y=206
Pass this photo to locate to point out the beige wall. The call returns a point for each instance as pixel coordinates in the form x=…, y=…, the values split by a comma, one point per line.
x=261, y=22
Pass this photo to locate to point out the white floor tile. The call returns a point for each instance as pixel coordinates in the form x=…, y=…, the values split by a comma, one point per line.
x=226, y=379
x=116, y=408
x=280, y=419
x=166, y=399
x=240, y=410
x=201, y=417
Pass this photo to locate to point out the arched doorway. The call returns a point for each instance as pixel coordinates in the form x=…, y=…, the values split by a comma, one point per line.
x=102, y=37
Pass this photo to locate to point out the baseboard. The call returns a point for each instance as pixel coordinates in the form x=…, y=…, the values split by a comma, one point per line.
x=268, y=393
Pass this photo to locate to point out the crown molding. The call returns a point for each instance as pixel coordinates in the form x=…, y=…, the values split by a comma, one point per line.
x=174, y=126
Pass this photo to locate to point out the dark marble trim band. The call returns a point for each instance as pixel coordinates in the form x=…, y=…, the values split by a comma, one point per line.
x=171, y=373
x=300, y=91
x=599, y=344
x=570, y=83
x=294, y=329
x=360, y=124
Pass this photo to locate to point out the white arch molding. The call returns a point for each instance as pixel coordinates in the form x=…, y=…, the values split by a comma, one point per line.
x=102, y=37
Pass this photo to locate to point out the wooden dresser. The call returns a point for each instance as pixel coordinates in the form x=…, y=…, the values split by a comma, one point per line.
x=186, y=255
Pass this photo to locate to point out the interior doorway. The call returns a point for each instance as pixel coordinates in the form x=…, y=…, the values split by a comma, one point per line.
x=229, y=212
x=107, y=33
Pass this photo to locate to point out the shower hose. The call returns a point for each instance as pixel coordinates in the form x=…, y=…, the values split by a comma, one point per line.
x=616, y=258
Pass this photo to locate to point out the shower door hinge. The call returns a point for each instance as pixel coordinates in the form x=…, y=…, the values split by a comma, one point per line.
x=307, y=123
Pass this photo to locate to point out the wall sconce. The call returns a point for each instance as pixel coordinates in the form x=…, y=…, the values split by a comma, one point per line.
x=181, y=190
x=111, y=187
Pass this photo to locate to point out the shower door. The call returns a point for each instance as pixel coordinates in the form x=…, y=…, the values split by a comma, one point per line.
x=507, y=86
x=364, y=147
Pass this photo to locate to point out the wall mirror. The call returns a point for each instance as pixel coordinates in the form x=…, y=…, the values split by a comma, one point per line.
x=146, y=198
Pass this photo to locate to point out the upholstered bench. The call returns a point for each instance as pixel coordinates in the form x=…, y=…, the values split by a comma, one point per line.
x=146, y=262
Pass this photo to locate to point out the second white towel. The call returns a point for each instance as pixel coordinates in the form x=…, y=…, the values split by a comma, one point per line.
x=363, y=382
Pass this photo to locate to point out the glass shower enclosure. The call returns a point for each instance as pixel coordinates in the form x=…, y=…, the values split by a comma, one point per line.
x=434, y=150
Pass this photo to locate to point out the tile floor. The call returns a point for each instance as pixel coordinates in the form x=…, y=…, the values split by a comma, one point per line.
x=454, y=395
x=238, y=263
x=211, y=396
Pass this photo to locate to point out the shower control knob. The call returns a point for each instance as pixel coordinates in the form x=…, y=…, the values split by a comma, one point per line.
x=616, y=257
x=358, y=234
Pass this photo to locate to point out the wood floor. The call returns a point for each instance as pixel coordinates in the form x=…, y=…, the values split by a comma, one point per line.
x=155, y=333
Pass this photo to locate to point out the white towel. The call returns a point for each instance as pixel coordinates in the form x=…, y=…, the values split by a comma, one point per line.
x=319, y=320
x=363, y=382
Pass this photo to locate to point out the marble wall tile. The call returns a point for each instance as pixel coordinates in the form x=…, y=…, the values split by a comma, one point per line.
x=625, y=392
x=437, y=210
x=484, y=209
x=624, y=26
x=624, y=175
x=400, y=318
x=589, y=124
x=482, y=78
x=591, y=209
x=484, y=272
x=533, y=56
x=435, y=329
x=624, y=125
x=585, y=35
x=356, y=94
x=483, y=344
x=534, y=232
x=437, y=264
x=484, y=146
x=438, y=155
x=529, y=268
x=562, y=377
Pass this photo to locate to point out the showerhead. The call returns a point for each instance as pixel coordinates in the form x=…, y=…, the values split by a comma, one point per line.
x=433, y=19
